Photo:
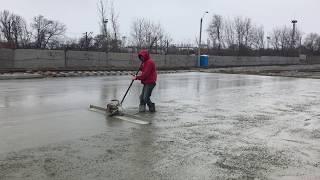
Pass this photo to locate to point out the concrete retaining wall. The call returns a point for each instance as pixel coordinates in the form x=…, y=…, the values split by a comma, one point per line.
x=30, y=58
x=162, y=61
x=313, y=60
x=123, y=60
x=179, y=61
x=224, y=61
x=86, y=59
x=33, y=59
x=6, y=58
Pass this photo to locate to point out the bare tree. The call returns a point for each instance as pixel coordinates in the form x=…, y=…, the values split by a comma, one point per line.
x=317, y=47
x=229, y=33
x=6, y=25
x=87, y=41
x=114, y=17
x=248, y=30
x=281, y=39
x=114, y=22
x=137, y=33
x=26, y=35
x=257, y=37
x=46, y=31
x=146, y=34
x=298, y=38
x=240, y=29
x=243, y=28
x=285, y=38
x=102, y=10
x=72, y=43
x=20, y=33
x=162, y=40
x=99, y=41
x=14, y=29
x=275, y=39
x=159, y=38
x=215, y=30
x=311, y=42
x=111, y=37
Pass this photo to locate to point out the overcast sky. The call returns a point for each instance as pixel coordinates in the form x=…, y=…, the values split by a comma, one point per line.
x=180, y=18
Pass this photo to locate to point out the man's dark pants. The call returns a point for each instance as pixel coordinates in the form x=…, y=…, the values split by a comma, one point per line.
x=146, y=93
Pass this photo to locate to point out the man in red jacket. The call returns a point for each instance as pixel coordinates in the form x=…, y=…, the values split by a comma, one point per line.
x=148, y=78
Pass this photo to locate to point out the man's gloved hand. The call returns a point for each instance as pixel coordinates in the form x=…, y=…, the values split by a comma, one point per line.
x=134, y=77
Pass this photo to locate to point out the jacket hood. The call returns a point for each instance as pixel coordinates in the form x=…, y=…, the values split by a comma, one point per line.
x=145, y=54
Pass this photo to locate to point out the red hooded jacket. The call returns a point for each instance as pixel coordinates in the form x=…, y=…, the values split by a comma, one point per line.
x=148, y=69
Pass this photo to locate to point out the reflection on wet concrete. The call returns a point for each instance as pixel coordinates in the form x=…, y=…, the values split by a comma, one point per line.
x=207, y=126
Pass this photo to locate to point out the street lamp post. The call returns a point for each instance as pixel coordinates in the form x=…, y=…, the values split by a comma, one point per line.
x=294, y=22
x=199, y=48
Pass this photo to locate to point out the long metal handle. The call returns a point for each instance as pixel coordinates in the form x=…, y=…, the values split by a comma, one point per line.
x=130, y=85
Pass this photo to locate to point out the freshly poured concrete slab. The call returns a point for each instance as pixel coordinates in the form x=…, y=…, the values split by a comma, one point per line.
x=207, y=126
x=132, y=119
x=124, y=116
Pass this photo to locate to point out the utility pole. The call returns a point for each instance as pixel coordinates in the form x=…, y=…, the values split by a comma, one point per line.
x=87, y=41
x=156, y=40
x=150, y=42
x=9, y=31
x=38, y=38
x=39, y=26
x=199, y=48
x=167, y=50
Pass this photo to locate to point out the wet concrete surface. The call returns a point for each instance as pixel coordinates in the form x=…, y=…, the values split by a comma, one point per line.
x=207, y=126
x=310, y=71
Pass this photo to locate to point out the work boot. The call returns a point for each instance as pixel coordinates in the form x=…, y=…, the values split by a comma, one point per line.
x=152, y=107
x=142, y=108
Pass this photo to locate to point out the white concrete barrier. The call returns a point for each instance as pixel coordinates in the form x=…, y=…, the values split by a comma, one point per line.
x=36, y=59
x=30, y=58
